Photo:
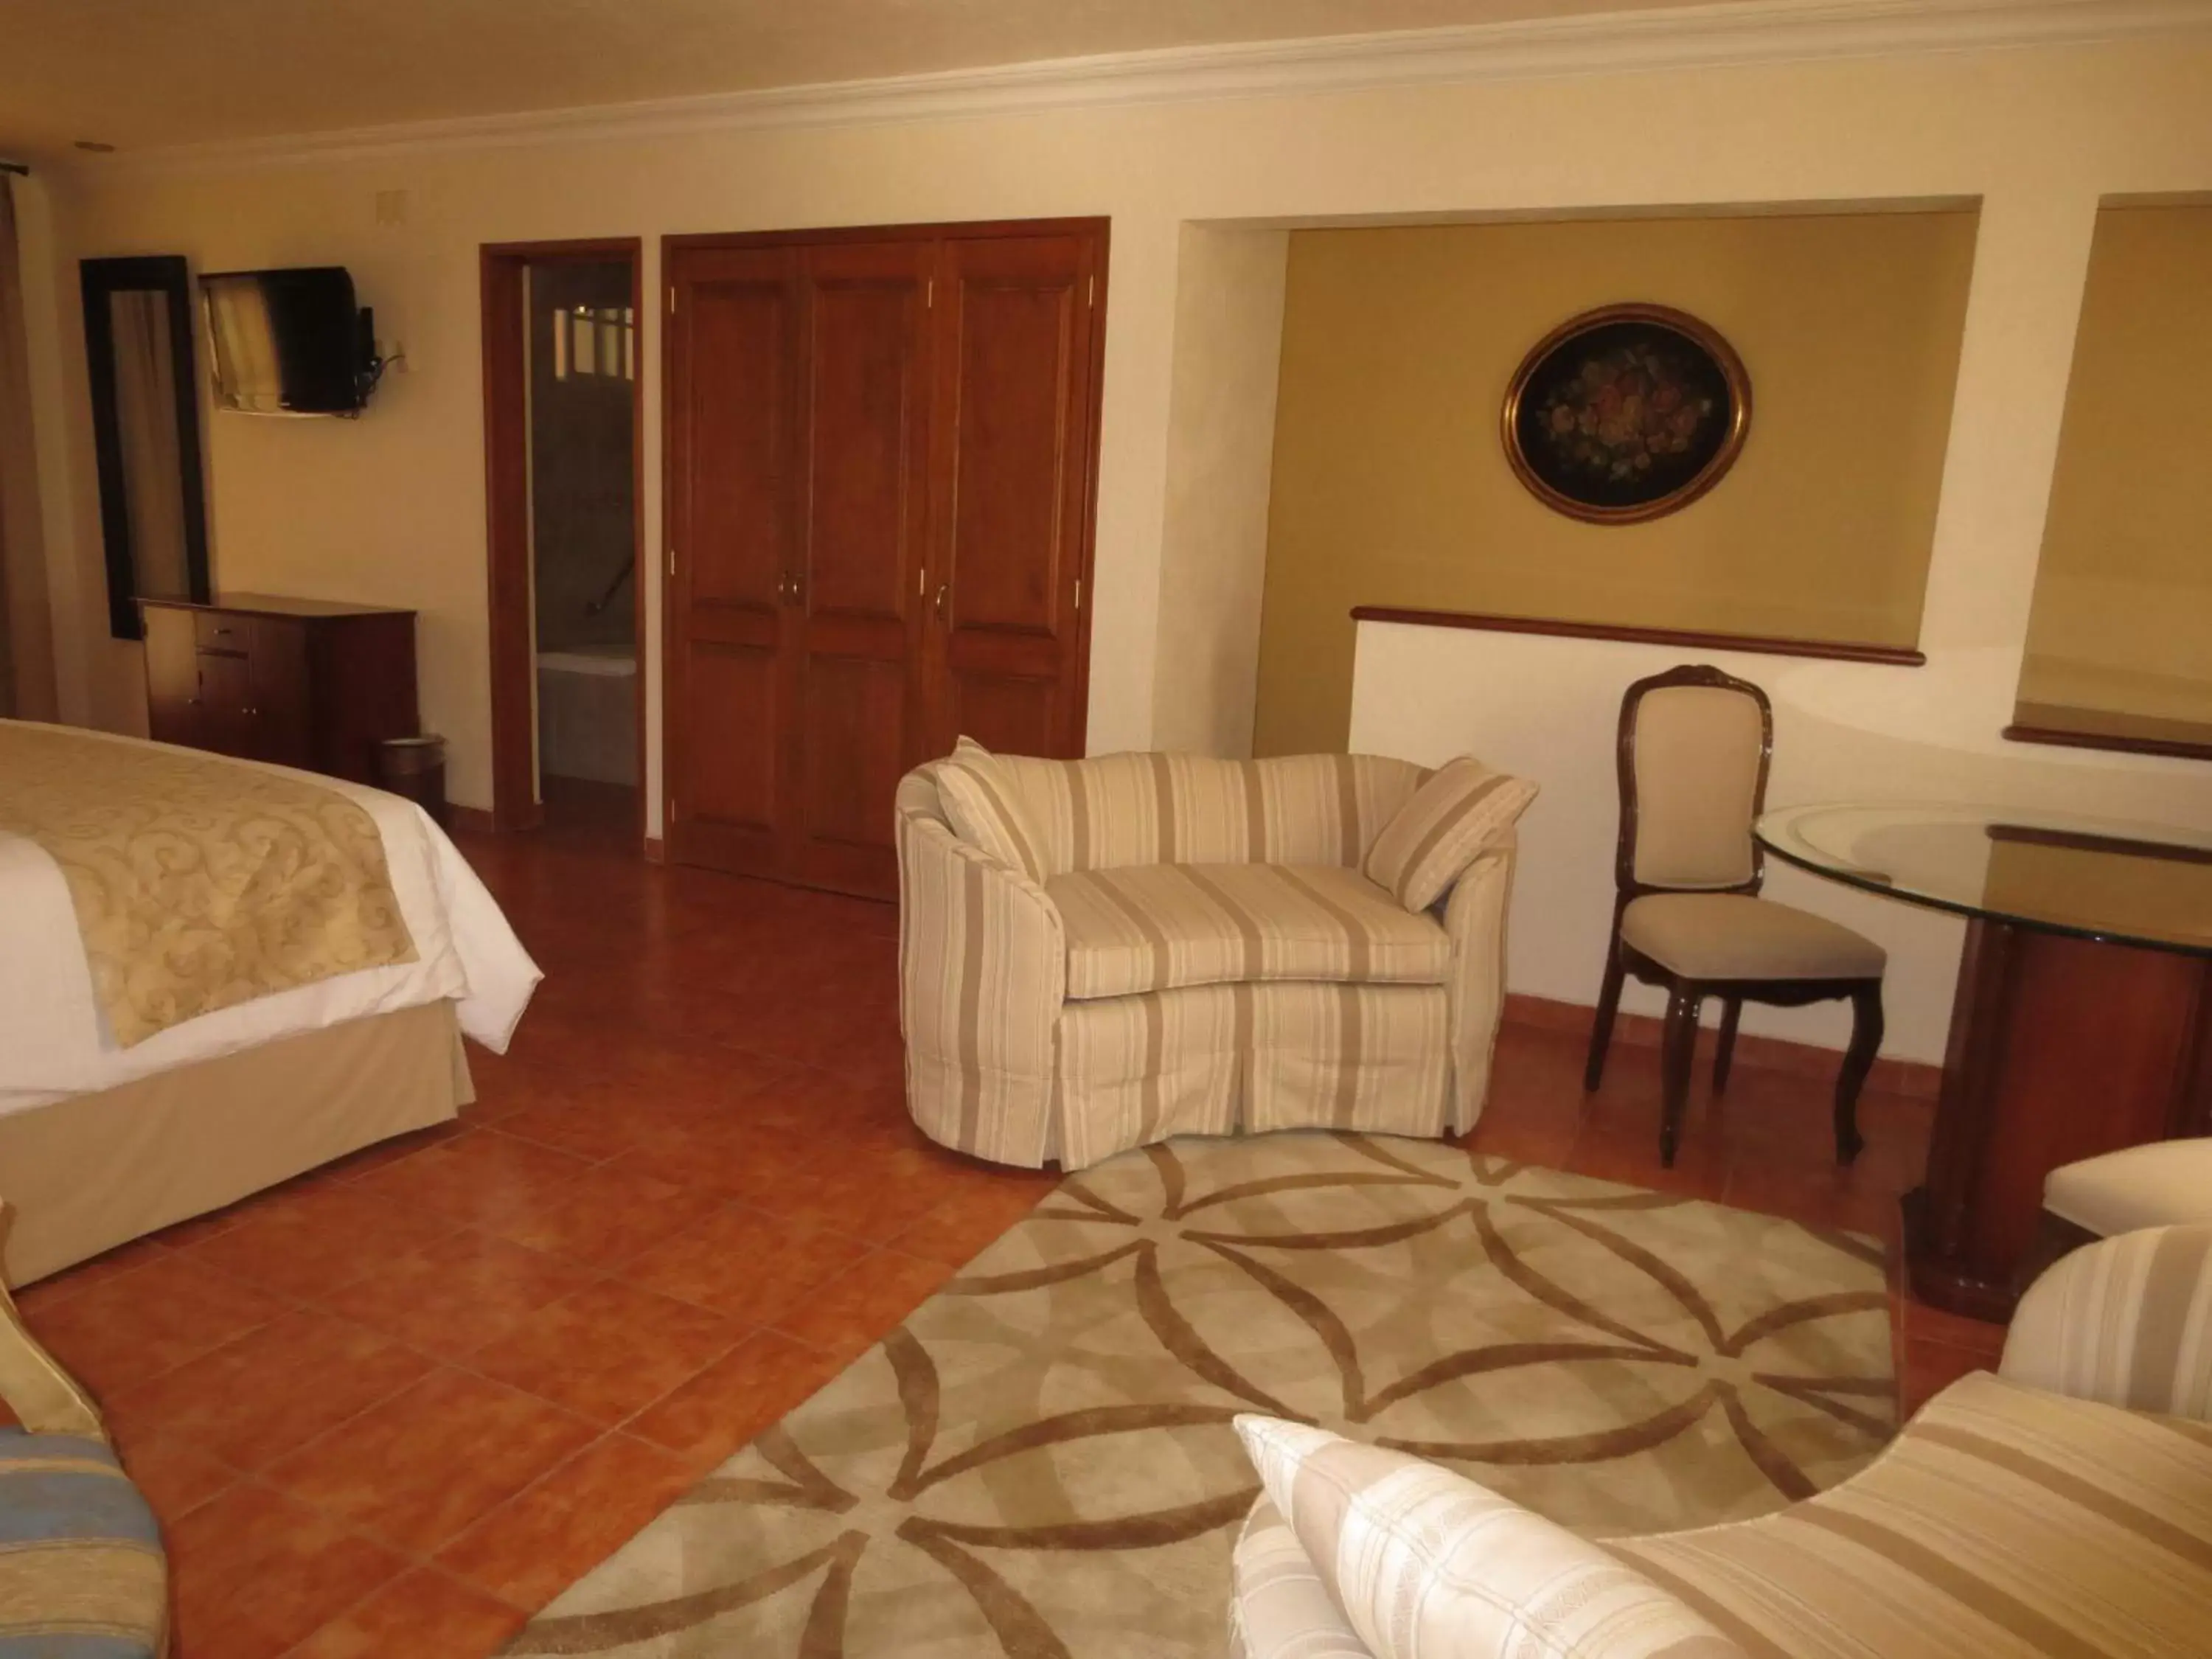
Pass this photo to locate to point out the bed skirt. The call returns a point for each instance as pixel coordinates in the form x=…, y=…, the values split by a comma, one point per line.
x=89, y=1173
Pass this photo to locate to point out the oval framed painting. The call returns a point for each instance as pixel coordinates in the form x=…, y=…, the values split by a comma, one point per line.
x=1626, y=413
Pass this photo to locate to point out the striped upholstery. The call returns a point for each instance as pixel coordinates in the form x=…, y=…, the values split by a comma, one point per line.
x=1279, y=1607
x=2127, y=1320
x=1450, y=819
x=1424, y=1562
x=1210, y=1060
x=982, y=972
x=2003, y=1523
x=80, y=1565
x=1474, y=922
x=1031, y=1031
x=1155, y=927
x=981, y=803
x=2007, y=1522
x=1191, y=809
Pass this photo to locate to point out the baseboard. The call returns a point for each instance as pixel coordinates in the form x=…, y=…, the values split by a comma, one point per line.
x=656, y=850
x=472, y=820
x=1915, y=1079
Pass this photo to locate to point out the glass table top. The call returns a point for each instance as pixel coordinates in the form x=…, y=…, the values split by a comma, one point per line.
x=2134, y=884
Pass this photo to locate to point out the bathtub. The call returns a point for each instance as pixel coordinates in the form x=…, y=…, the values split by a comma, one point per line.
x=587, y=712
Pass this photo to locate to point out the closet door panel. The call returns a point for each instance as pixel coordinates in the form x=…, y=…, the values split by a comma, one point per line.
x=733, y=469
x=859, y=708
x=1014, y=404
x=730, y=785
x=1004, y=712
x=1010, y=457
x=867, y=412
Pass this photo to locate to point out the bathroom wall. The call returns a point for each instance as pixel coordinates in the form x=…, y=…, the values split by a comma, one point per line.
x=582, y=497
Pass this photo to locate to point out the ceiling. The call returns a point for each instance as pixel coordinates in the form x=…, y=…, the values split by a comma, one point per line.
x=144, y=73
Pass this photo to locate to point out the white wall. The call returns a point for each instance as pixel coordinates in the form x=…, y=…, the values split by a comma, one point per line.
x=1547, y=708
x=1221, y=444
x=391, y=508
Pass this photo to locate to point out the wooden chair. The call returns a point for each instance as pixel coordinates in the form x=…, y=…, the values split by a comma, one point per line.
x=1693, y=752
x=101, y=1578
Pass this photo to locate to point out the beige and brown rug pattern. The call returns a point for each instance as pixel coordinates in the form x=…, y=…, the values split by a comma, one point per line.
x=1038, y=1463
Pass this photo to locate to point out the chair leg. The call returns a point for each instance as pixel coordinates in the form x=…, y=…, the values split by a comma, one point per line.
x=1608, y=1004
x=1858, y=1061
x=1724, y=1053
x=1678, y=1048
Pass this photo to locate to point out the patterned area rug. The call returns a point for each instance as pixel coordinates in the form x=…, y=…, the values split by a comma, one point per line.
x=1039, y=1463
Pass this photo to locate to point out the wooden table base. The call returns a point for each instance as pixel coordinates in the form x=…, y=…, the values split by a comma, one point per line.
x=2060, y=1048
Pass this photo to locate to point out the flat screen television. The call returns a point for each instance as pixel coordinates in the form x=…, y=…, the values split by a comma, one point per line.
x=289, y=342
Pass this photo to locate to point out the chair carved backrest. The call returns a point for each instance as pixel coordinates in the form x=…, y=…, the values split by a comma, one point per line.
x=38, y=1390
x=1695, y=743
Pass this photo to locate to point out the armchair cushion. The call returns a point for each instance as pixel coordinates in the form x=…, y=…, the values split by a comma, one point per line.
x=983, y=810
x=1712, y=936
x=2153, y=1186
x=1424, y=1562
x=1461, y=809
x=1158, y=926
x=80, y=1564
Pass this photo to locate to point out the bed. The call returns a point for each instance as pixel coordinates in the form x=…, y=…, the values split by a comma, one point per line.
x=118, y=1117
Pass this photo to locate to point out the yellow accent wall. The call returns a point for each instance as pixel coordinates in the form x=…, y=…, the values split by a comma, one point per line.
x=1391, y=485
x=2122, y=614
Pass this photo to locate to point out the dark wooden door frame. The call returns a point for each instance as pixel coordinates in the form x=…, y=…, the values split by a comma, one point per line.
x=1098, y=226
x=506, y=511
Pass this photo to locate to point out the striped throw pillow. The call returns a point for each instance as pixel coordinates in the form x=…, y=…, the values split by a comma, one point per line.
x=1425, y=1562
x=1432, y=838
x=983, y=809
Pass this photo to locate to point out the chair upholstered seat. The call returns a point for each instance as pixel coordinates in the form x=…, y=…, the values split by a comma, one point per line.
x=81, y=1563
x=1163, y=927
x=2162, y=1184
x=1733, y=936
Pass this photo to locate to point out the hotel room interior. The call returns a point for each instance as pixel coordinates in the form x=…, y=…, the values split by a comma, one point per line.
x=1021, y=828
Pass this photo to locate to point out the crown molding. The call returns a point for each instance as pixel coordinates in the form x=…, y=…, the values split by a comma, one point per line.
x=1743, y=32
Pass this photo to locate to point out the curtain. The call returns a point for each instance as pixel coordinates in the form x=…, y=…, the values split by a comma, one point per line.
x=153, y=462
x=27, y=642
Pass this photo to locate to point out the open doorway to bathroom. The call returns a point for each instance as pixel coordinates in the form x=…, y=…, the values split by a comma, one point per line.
x=561, y=377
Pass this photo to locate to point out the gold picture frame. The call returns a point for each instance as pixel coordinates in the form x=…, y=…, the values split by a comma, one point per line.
x=1626, y=413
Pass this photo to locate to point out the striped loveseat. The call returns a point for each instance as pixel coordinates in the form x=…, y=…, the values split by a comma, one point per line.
x=1101, y=953
x=2062, y=1506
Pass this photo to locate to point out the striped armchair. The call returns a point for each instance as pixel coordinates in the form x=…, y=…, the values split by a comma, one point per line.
x=1099, y=954
x=82, y=1569
x=2062, y=1506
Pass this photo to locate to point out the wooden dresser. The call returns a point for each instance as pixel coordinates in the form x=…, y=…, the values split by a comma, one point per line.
x=303, y=683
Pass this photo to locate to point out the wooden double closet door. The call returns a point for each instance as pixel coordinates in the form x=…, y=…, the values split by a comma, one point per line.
x=882, y=451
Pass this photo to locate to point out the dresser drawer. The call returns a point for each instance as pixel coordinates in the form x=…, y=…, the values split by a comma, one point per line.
x=218, y=630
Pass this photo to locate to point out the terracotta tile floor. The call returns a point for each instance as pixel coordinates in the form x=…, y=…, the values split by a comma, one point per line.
x=395, y=1406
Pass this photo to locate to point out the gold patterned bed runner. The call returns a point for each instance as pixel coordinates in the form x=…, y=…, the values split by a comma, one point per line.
x=198, y=883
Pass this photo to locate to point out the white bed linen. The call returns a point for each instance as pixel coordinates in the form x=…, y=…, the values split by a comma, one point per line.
x=54, y=1040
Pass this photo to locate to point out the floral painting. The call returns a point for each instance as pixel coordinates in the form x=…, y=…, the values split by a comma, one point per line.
x=1626, y=413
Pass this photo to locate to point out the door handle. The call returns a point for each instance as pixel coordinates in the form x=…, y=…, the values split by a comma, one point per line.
x=943, y=599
